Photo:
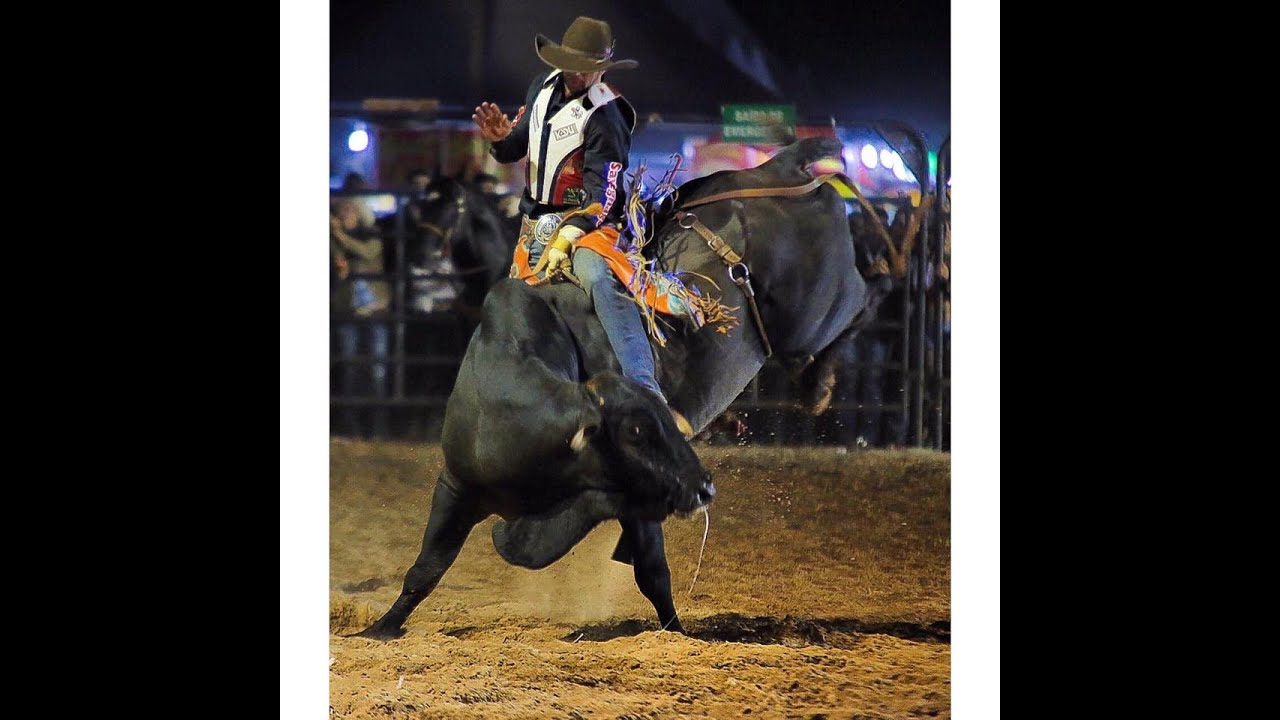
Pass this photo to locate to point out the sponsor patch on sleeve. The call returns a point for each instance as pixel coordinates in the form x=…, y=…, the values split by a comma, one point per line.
x=610, y=189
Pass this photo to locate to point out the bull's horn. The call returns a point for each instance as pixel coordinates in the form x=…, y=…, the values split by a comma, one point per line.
x=580, y=438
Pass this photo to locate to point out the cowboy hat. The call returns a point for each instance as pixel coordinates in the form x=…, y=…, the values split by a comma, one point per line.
x=587, y=47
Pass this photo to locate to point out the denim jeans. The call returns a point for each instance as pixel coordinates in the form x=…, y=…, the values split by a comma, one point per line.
x=871, y=383
x=618, y=314
x=356, y=378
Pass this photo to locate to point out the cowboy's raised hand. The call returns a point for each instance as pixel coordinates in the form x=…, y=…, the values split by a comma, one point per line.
x=493, y=123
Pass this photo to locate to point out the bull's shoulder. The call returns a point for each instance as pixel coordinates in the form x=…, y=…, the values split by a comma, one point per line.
x=510, y=297
x=545, y=321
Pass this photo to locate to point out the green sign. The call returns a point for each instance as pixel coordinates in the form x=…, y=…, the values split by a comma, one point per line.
x=754, y=123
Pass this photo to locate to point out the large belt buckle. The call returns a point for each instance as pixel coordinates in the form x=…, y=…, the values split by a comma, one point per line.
x=546, y=225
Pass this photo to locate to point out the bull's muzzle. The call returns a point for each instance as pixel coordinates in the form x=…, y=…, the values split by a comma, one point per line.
x=697, y=495
x=707, y=491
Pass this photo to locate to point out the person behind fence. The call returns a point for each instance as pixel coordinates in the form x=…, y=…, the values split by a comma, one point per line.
x=434, y=285
x=419, y=184
x=576, y=130
x=358, y=303
x=485, y=183
x=873, y=347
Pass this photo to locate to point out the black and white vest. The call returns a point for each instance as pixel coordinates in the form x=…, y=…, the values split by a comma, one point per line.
x=554, y=174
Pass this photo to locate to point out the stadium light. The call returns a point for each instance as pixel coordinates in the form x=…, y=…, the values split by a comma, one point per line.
x=887, y=157
x=358, y=141
x=900, y=168
x=869, y=156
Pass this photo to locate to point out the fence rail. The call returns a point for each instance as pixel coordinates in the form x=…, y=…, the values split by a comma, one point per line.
x=421, y=351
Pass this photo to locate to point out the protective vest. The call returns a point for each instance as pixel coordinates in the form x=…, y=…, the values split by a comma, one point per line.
x=554, y=174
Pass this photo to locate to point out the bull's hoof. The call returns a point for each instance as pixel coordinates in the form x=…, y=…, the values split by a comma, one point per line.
x=676, y=627
x=375, y=632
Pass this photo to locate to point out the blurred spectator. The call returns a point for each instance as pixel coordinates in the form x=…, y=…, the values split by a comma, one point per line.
x=486, y=183
x=355, y=249
x=505, y=204
x=354, y=182
x=419, y=181
x=877, y=347
x=427, y=252
x=428, y=292
x=420, y=194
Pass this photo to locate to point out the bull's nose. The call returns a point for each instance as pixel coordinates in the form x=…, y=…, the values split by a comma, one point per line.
x=707, y=492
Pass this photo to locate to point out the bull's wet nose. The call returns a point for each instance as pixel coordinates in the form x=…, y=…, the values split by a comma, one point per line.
x=707, y=492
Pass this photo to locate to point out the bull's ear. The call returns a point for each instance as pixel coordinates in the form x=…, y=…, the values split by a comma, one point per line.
x=592, y=414
x=580, y=438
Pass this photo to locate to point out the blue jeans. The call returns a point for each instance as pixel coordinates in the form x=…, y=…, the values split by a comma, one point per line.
x=618, y=314
x=871, y=383
x=377, y=340
x=354, y=378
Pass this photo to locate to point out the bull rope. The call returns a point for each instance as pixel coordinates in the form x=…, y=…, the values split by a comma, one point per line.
x=707, y=516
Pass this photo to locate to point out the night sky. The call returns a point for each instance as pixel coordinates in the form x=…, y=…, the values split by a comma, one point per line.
x=876, y=57
x=863, y=60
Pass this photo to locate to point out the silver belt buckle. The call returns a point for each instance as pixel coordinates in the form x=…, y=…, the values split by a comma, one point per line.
x=546, y=225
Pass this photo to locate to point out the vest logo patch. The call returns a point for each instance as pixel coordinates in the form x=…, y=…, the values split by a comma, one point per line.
x=575, y=111
x=575, y=196
x=564, y=132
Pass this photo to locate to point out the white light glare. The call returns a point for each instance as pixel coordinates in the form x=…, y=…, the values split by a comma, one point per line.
x=869, y=156
x=900, y=168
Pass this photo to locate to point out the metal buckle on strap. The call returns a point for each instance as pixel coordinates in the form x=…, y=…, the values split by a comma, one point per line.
x=546, y=225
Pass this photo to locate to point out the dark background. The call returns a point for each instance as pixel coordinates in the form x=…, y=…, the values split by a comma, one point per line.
x=860, y=60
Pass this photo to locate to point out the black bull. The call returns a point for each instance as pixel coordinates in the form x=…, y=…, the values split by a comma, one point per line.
x=543, y=430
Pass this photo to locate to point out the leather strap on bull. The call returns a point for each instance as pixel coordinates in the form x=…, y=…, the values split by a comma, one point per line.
x=742, y=278
x=739, y=273
x=795, y=191
x=897, y=257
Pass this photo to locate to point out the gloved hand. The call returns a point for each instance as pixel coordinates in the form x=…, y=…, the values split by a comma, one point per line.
x=558, y=249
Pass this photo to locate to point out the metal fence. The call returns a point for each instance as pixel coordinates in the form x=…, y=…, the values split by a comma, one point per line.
x=391, y=374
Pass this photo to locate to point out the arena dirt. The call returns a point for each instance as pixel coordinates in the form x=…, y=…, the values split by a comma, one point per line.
x=823, y=593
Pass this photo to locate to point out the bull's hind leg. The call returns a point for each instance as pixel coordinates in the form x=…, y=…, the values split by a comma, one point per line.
x=452, y=518
x=649, y=561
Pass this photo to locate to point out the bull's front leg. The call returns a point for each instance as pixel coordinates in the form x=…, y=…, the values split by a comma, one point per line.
x=536, y=541
x=649, y=562
x=452, y=518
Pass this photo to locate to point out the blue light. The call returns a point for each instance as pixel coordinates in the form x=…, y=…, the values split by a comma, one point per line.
x=358, y=141
x=869, y=156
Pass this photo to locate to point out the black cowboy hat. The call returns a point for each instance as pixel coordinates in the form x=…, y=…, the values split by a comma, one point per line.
x=587, y=46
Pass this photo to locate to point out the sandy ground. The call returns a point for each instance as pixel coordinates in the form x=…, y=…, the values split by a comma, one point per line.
x=823, y=593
